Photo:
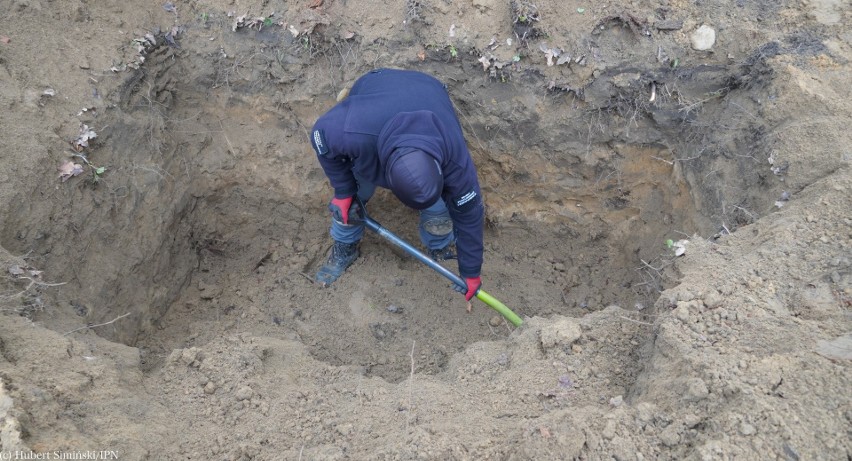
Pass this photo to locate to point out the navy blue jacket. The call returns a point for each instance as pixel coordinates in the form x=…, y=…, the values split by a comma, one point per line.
x=389, y=109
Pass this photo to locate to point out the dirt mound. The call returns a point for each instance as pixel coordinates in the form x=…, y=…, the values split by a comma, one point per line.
x=667, y=188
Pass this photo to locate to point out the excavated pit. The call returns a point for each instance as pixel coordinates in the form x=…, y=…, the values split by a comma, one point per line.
x=212, y=219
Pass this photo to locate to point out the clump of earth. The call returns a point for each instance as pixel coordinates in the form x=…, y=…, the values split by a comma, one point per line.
x=667, y=189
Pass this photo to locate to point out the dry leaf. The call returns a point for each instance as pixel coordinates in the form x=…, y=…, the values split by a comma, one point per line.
x=421, y=55
x=5, y=39
x=172, y=35
x=82, y=140
x=549, y=55
x=69, y=169
x=680, y=247
x=545, y=432
x=239, y=22
x=315, y=4
x=486, y=63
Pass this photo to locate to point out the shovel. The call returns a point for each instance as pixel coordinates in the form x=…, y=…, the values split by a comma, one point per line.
x=360, y=213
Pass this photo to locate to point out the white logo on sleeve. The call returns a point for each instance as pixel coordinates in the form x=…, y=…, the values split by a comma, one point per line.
x=319, y=142
x=466, y=198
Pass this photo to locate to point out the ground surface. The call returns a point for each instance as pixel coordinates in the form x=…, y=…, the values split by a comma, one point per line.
x=163, y=307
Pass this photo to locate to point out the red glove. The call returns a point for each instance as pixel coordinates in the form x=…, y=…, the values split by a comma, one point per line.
x=340, y=209
x=473, y=284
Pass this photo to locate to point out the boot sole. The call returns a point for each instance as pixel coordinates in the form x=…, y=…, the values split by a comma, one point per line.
x=329, y=274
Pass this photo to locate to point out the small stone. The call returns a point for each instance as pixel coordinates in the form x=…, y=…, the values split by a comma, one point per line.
x=682, y=313
x=713, y=299
x=747, y=429
x=645, y=412
x=670, y=435
x=344, y=429
x=703, y=38
x=562, y=332
x=210, y=387
x=394, y=309
x=690, y=421
x=495, y=321
x=616, y=401
x=190, y=356
x=244, y=393
x=576, y=348
x=696, y=389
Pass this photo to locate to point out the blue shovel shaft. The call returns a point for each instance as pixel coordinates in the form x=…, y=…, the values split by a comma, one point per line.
x=374, y=226
x=458, y=281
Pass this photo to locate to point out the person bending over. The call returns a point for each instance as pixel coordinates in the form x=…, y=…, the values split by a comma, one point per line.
x=397, y=129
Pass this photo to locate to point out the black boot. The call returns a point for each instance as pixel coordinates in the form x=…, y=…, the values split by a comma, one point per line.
x=443, y=254
x=342, y=256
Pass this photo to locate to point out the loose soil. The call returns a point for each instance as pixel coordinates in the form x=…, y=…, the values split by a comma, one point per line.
x=164, y=308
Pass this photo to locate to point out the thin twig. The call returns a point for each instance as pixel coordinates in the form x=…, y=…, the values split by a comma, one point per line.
x=748, y=213
x=650, y=266
x=98, y=325
x=410, y=381
x=30, y=285
x=82, y=157
x=230, y=146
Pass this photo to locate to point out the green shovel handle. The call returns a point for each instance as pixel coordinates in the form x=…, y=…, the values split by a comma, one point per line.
x=499, y=307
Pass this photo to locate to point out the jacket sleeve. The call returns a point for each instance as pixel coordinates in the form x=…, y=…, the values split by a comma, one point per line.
x=468, y=214
x=337, y=167
x=339, y=173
